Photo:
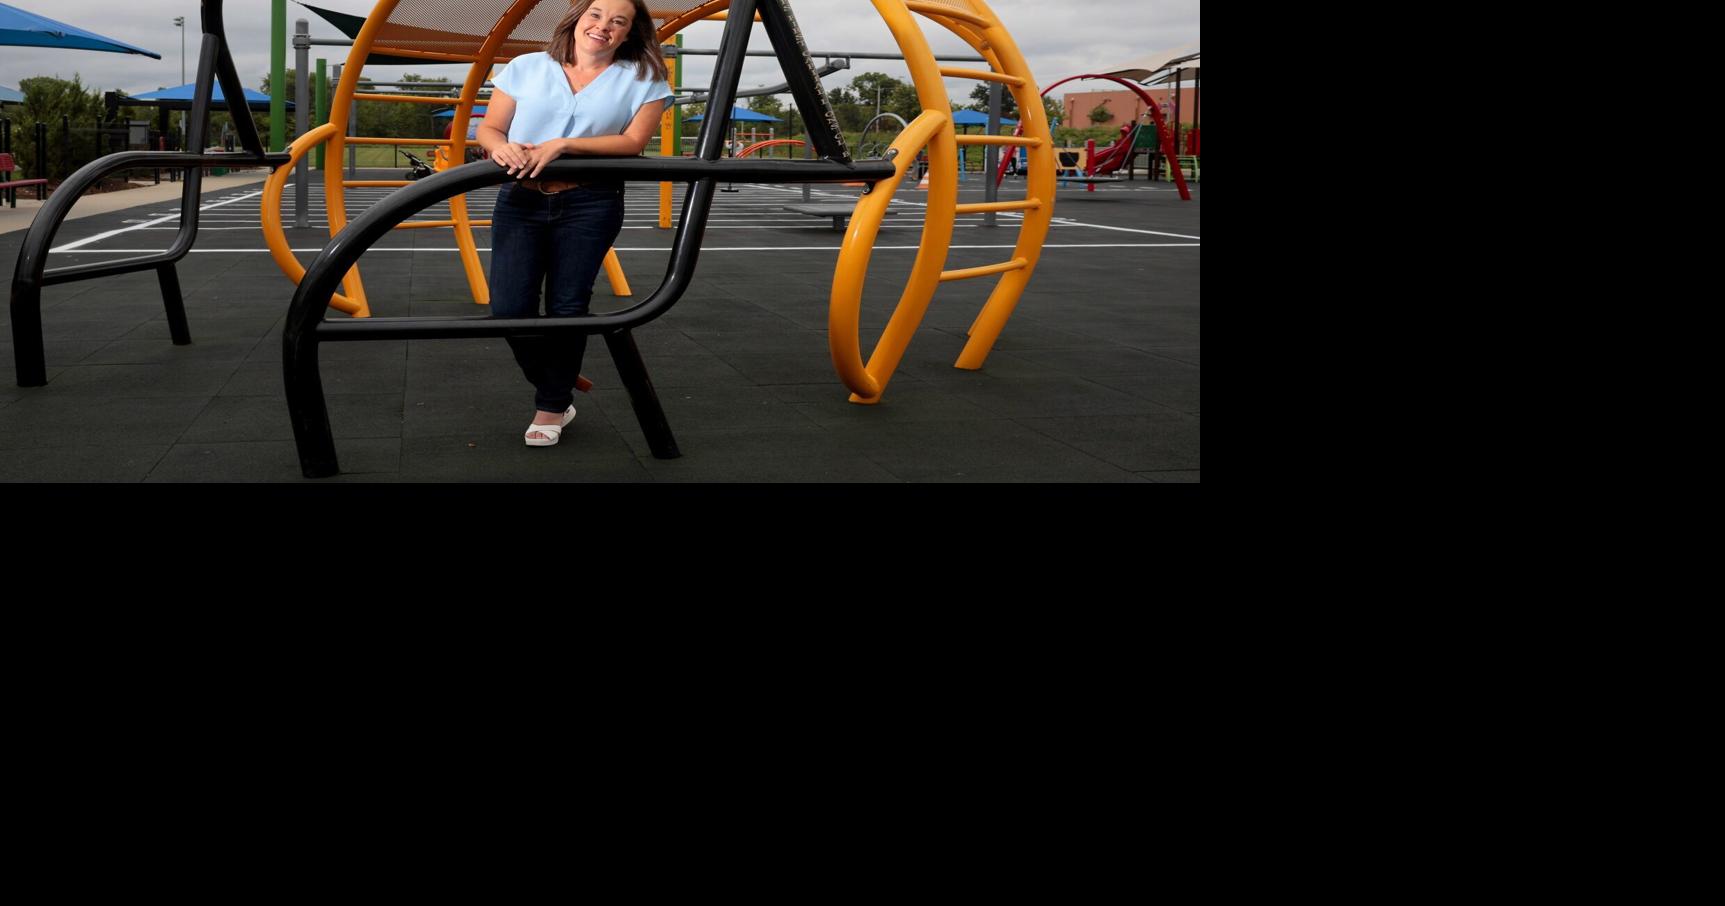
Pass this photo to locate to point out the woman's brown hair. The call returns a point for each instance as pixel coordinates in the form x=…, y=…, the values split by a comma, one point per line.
x=641, y=47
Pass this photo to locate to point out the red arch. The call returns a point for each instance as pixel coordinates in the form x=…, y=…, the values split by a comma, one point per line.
x=1166, y=139
x=768, y=144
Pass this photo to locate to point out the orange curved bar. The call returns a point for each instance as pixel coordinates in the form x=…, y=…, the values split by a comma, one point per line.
x=999, y=47
x=270, y=212
x=844, y=310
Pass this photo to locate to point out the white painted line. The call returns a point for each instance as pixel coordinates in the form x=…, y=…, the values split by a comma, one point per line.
x=100, y=236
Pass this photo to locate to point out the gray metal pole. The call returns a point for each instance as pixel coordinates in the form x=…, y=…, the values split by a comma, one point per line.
x=352, y=127
x=808, y=146
x=301, y=100
x=991, y=153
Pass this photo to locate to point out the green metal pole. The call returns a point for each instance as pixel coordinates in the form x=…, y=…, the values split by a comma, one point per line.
x=321, y=113
x=278, y=74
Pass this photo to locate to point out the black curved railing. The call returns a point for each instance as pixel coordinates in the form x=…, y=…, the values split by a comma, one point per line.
x=32, y=273
x=306, y=327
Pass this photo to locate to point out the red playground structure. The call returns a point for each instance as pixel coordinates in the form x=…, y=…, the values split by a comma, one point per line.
x=1109, y=159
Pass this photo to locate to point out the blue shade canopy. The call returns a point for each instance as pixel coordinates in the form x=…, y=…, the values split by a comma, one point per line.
x=976, y=118
x=182, y=96
x=738, y=114
x=450, y=114
x=11, y=95
x=23, y=29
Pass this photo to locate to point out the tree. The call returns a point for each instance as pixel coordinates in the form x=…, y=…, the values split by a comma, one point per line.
x=49, y=100
x=852, y=114
x=872, y=85
x=1101, y=114
x=979, y=101
x=767, y=105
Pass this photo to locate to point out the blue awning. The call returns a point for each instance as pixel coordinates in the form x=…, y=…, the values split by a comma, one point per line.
x=182, y=96
x=24, y=29
x=449, y=114
x=738, y=114
x=11, y=95
x=976, y=118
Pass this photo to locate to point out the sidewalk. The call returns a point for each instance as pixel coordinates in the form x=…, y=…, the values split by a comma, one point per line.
x=19, y=218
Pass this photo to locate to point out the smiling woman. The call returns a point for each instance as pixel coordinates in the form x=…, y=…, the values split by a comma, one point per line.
x=549, y=238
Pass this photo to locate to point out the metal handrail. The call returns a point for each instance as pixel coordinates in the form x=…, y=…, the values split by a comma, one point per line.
x=32, y=273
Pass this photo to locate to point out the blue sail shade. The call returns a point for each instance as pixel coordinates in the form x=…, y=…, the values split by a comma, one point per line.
x=25, y=29
x=172, y=97
x=738, y=114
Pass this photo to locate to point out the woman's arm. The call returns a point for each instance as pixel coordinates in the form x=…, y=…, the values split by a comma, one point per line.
x=493, y=134
x=632, y=142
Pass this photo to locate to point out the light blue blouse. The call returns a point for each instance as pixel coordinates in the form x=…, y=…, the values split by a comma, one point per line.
x=545, y=108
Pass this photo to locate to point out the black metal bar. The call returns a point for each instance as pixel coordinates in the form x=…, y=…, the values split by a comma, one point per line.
x=828, y=69
x=305, y=327
x=232, y=87
x=31, y=274
x=781, y=26
x=633, y=371
x=169, y=279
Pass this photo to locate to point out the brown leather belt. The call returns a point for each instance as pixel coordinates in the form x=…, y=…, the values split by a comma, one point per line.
x=551, y=187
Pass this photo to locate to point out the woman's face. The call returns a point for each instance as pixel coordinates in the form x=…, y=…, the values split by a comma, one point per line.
x=605, y=26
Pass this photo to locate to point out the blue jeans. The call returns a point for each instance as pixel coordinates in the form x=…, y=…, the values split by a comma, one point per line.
x=555, y=243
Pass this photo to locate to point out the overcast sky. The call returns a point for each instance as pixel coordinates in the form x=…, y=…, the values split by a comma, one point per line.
x=1058, y=40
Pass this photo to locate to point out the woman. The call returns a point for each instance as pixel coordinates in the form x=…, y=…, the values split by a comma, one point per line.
x=597, y=89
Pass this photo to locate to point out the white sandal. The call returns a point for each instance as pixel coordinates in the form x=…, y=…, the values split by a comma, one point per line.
x=552, y=433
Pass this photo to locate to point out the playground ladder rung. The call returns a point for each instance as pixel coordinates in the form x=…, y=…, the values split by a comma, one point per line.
x=1029, y=204
x=407, y=99
x=409, y=142
x=987, y=269
x=947, y=12
x=374, y=183
x=1023, y=141
x=982, y=75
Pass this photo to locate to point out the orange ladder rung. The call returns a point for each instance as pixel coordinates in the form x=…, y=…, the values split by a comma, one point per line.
x=985, y=270
x=1029, y=204
x=407, y=142
x=408, y=99
x=1022, y=141
x=982, y=75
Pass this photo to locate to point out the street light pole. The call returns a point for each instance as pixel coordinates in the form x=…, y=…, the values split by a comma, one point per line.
x=181, y=22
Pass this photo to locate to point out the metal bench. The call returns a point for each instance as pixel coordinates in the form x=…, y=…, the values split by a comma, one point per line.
x=9, y=187
x=840, y=213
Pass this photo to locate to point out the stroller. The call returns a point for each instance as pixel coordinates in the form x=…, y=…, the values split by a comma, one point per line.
x=420, y=170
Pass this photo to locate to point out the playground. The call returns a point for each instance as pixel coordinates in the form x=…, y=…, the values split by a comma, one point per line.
x=1091, y=376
